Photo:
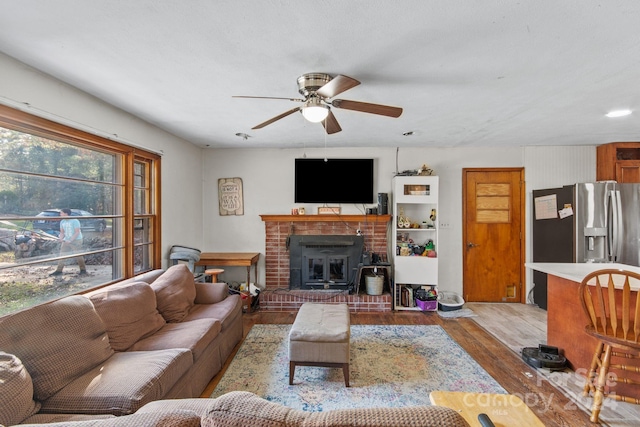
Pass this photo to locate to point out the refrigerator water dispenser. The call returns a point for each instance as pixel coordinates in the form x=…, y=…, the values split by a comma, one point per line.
x=595, y=245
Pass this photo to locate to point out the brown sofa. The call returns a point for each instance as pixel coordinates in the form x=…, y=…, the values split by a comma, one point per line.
x=242, y=409
x=111, y=351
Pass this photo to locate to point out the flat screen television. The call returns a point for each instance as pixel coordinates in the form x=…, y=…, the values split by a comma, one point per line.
x=333, y=181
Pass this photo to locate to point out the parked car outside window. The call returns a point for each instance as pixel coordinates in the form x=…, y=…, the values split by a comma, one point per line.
x=87, y=220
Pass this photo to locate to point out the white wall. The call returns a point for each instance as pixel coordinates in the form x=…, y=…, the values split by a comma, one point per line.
x=23, y=88
x=191, y=217
x=268, y=189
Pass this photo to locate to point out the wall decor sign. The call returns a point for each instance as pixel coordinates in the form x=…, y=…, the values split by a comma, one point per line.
x=230, y=197
x=329, y=210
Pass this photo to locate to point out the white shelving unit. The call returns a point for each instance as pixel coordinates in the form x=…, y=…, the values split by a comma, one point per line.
x=415, y=202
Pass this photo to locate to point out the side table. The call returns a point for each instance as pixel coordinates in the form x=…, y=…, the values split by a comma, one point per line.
x=234, y=259
x=502, y=409
x=231, y=259
x=384, y=269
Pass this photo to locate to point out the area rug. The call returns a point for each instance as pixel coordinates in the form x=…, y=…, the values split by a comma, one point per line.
x=391, y=366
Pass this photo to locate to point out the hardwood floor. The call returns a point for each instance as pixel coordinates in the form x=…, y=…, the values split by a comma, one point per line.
x=515, y=325
x=550, y=405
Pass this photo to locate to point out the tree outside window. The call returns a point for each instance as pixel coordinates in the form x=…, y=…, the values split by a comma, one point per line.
x=110, y=188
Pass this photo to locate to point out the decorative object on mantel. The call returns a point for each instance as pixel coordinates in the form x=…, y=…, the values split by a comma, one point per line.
x=230, y=198
x=301, y=211
x=329, y=210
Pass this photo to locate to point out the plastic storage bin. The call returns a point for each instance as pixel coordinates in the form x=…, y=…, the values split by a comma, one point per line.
x=427, y=305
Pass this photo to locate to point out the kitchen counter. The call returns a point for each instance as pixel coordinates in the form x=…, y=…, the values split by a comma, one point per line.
x=566, y=319
x=576, y=271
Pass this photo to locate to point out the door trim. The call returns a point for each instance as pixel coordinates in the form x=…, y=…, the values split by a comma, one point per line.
x=523, y=197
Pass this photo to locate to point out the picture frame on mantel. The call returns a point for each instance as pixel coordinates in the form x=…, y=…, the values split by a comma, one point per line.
x=329, y=210
x=230, y=197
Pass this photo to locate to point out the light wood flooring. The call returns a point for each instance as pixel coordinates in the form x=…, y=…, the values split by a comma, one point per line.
x=515, y=324
x=518, y=326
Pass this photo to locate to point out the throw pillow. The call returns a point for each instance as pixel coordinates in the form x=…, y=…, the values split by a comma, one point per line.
x=16, y=391
x=175, y=292
x=128, y=312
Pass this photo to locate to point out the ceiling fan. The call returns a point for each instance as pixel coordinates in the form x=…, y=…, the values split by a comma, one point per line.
x=318, y=90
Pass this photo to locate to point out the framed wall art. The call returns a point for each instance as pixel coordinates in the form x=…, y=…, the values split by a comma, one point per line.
x=230, y=198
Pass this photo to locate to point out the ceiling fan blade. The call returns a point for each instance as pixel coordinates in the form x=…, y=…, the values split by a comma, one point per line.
x=331, y=124
x=268, y=97
x=365, y=107
x=276, y=118
x=337, y=85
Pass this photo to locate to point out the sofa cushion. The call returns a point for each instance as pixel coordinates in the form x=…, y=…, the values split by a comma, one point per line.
x=16, y=391
x=211, y=293
x=62, y=418
x=56, y=342
x=196, y=404
x=123, y=383
x=224, y=311
x=129, y=313
x=242, y=408
x=177, y=418
x=195, y=336
x=175, y=292
x=408, y=416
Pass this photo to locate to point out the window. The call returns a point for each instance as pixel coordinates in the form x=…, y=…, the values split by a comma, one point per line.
x=112, y=190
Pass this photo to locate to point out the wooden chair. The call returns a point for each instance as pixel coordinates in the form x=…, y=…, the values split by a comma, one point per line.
x=610, y=300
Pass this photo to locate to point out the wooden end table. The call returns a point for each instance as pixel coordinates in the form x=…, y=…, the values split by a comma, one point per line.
x=231, y=259
x=234, y=259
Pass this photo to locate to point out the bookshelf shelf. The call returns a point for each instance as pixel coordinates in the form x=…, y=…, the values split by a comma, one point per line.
x=415, y=208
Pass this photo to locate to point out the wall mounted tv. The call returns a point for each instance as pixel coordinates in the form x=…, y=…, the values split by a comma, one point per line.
x=334, y=181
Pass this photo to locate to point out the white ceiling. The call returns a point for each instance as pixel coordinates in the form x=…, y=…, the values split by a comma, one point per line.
x=466, y=72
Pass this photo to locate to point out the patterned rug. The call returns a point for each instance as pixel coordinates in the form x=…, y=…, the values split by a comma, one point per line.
x=391, y=366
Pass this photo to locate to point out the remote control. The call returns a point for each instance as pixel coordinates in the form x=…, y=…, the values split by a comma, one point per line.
x=485, y=421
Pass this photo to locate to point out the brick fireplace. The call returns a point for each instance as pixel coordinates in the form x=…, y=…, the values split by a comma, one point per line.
x=278, y=297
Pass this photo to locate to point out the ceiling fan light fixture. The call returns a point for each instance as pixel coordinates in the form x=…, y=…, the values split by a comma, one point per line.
x=618, y=113
x=314, y=111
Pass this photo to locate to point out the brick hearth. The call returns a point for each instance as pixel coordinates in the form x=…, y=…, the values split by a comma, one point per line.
x=278, y=297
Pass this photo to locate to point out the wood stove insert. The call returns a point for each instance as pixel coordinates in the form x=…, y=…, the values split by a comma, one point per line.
x=324, y=261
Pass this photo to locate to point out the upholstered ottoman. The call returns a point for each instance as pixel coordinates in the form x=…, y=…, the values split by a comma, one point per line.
x=320, y=337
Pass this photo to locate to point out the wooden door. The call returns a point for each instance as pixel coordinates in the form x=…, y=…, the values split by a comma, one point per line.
x=493, y=234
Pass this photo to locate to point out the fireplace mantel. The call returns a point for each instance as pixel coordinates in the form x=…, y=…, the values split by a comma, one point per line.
x=279, y=228
x=326, y=218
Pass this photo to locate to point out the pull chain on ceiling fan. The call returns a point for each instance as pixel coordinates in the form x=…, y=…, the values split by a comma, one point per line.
x=318, y=90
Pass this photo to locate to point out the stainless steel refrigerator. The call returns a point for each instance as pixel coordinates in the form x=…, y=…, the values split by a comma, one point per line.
x=585, y=222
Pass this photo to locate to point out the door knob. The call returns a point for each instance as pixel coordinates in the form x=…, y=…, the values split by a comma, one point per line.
x=471, y=245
